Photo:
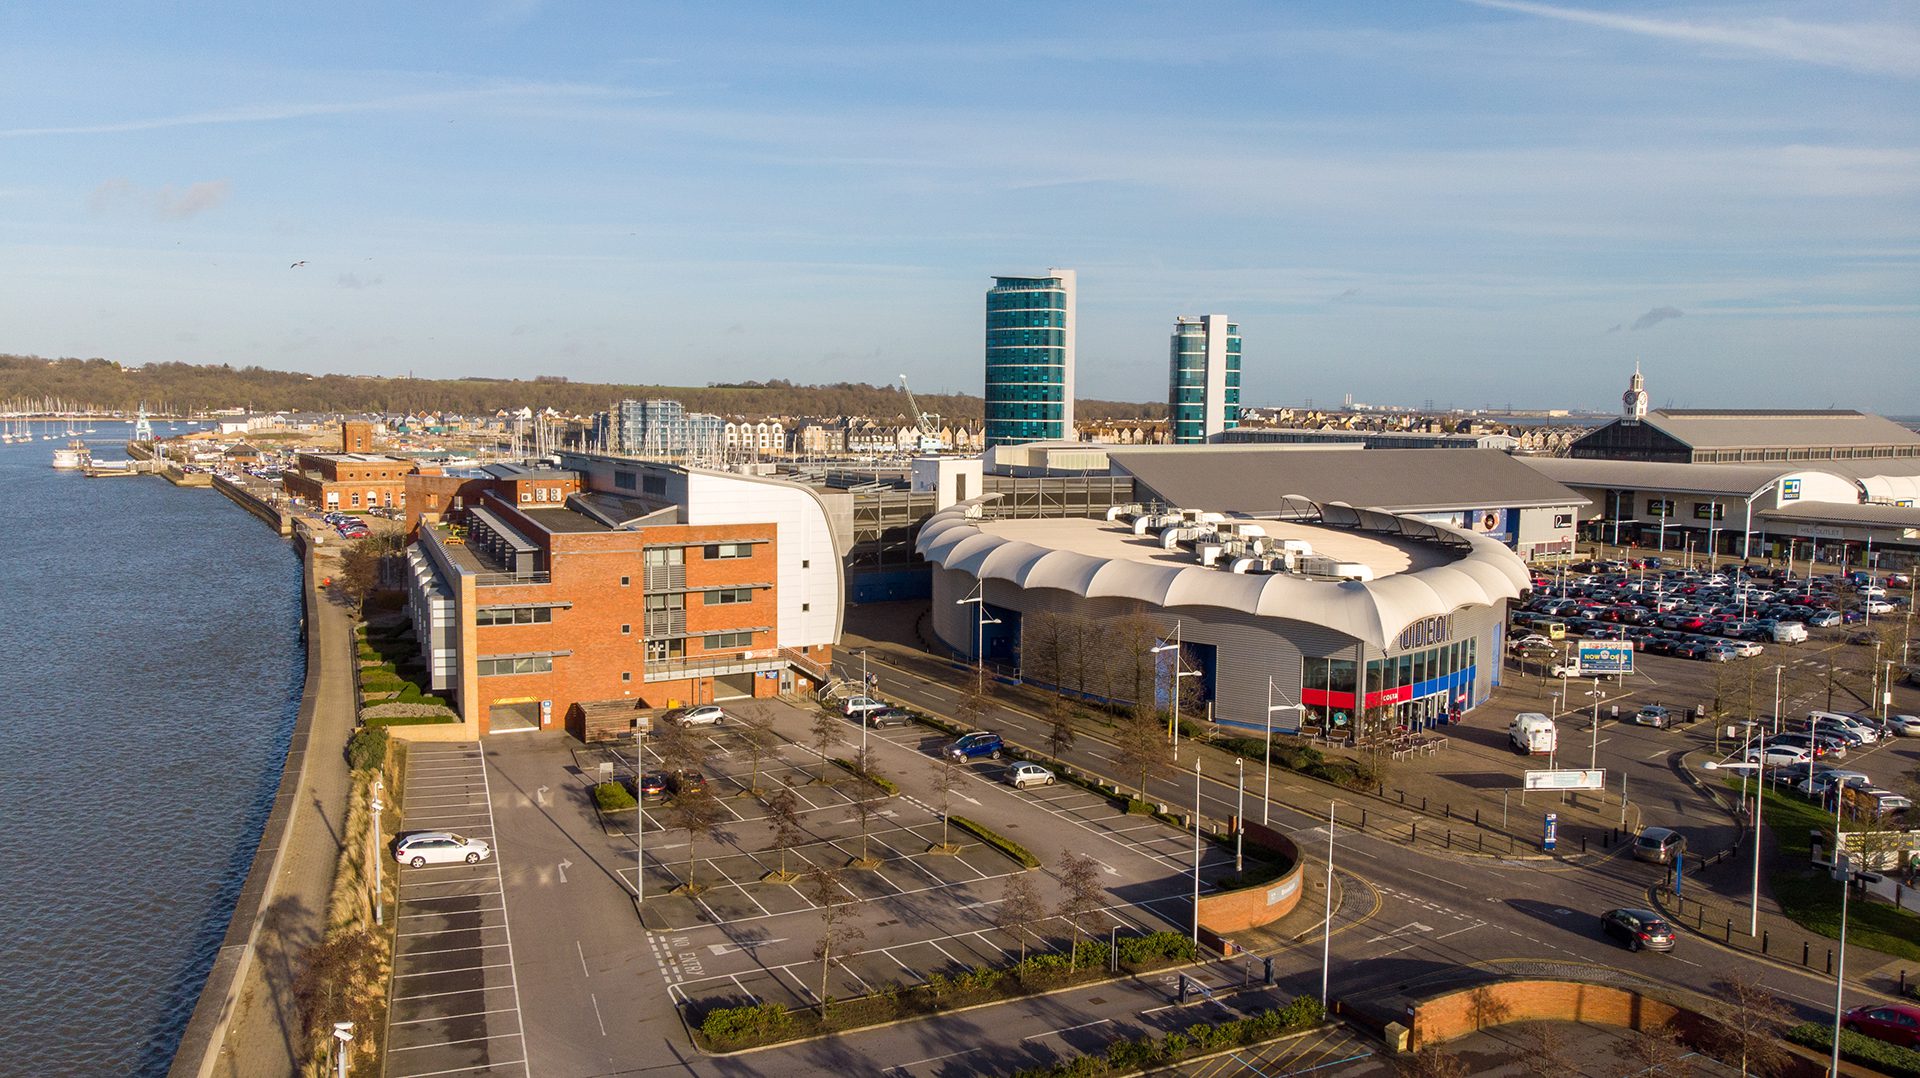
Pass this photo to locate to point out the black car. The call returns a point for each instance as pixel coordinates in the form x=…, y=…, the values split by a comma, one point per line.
x=1638, y=929
x=687, y=782
x=653, y=784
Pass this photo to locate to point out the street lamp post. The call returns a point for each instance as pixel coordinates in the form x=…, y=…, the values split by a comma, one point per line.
x=1593, y=754
x=1179, y=671
x=1196, y=849
x=1266, y=781
x=639, y=814
x=342, y=1040
x=980, y=622
x=1840, y=972
x=1240, y=813
x=379, y=912
x=1759, y=770
x=1326, y=933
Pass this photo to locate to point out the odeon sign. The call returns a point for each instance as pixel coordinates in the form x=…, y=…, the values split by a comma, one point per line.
x=1425, y=632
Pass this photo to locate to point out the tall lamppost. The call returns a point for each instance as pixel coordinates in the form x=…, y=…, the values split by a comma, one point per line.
x=1266, y=782
x=1759, y=771
x=1196, y=849
x=1840, y=972
x=342, y=1041
x=981, y=620
x=639, y=814
x=1239, y=813
x=1179, y=671
x=1326, y=934
x=379, y=911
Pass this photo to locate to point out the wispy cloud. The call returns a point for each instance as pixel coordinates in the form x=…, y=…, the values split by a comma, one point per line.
x=1876, y=48
x=1655, y=317
x=169, y=203
x=271, y=113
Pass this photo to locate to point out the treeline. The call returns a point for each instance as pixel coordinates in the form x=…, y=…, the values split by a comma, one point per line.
x=186, y=387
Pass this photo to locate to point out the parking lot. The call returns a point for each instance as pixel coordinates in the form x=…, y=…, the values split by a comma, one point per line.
x=455, y=1001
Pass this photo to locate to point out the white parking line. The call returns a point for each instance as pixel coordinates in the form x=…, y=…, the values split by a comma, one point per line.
x=453, y=913
x=462, y=969
x=449, y=950
x=443, y=1044
x=451, y=1017
x=521, y=1063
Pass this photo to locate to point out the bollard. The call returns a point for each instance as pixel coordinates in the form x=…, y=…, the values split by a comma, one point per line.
x=1476, y=817
x=1449, y=810
x=1449, y=838
x=1266, y=976
x=1363, y=820
x=1803, y=952
x=1413, y=832
x=1583, y=844
x=1382, y=791
x=1403, y=796
x=1481, y=843
x=1423, y=804
x=1729, y=938
x=1829, y=960
x=1903, y=982
x=1766, y=938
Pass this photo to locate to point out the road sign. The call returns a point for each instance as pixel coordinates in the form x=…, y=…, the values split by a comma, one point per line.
x=1552, y=831
x=1604, y=657
x=1565, y=780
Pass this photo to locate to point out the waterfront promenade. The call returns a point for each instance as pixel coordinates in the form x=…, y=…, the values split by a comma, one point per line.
x=248, y=1020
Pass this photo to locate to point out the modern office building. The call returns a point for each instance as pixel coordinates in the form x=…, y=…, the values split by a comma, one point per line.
x=1030, y=347
x=1203, y=380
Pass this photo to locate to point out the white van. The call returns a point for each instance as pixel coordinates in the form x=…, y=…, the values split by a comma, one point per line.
x=1532, y=733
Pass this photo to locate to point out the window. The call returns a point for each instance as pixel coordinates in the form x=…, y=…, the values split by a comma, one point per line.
x=626, y=630
x=804, y=607
x=716, y=551
x=718, y=641
x=729, y=596
x=655, y=484
x=524, y=664
x=807, y=563
x=626, y=675
x=662, y=650
x=626, y=581
x=625, y=481
x=675, y=601
x=668, y=555
x=513, y=615
x=356, y=499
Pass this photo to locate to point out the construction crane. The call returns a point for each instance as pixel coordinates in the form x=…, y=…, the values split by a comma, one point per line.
x=929, y=436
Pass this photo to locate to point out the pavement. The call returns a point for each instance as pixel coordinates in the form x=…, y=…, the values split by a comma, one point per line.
x=263, y=1036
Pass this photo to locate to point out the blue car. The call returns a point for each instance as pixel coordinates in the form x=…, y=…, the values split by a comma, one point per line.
x=977, y=744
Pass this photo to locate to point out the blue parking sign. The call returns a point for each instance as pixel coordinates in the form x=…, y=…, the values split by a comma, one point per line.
x=1552, y=831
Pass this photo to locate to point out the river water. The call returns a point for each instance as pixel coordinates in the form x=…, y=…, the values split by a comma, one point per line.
x=150, y=674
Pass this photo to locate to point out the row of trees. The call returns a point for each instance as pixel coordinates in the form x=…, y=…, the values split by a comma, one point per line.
x=184, y=386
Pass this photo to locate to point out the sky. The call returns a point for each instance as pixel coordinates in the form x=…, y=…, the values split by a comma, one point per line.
x=1477, y=204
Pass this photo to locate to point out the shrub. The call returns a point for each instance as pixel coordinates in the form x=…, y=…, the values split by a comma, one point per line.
x=412, y=720
x=885, y=784
x=1304, y=1011
x=1859, y=1048
x=612, y=797
x=1156, y=947
x=734, y=1027
x=997, y=841
x=367, y=748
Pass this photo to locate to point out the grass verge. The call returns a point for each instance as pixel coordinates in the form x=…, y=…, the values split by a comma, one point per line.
x=1859, y=1048
x=1131, y=1055
x=1810, y=898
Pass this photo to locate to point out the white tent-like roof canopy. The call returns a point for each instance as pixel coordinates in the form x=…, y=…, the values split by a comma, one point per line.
x=1422, y=570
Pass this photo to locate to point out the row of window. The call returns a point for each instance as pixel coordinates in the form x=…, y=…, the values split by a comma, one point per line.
x=728, y=596
x=524, y=664
x=718, y=641
x=1336, y=675
x=514, y=615
x=1038, y=412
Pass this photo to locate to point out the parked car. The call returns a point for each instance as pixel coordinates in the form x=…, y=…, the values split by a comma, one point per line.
x=1021, y=776
x=891, y=716
x=854, y=705
x=686, y=782
x=653, y=784
x=1778, y=755
x=704, y=715
x=1638, y=929
x=423, y=848
x=1904, y=725
x=1822, y=619
x=1659, y=845
x=1895, y=1023
x=979, y=743
x=1654, y=715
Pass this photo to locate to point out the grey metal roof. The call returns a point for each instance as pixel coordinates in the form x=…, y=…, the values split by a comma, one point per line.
x=1886, y=516
x=1484, y=572
x=1752, y=428
x=1258, y=479
x=1736, y=479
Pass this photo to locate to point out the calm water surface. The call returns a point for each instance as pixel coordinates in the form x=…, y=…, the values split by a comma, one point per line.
x=150, y=672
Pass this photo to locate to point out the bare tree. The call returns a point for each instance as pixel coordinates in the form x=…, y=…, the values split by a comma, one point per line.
x=1060, y=732
x=973, y=709
x=697, y=810
x=829, y=895
x=1546, y=1051
x=1751, y=1030
x=1430, y=1062
x=828, y=731
x=783, y=813
x=1040, y=648
x=1142, y=748
x=1659, y=1051
x=944, y=781
x=755, y=731
x=1131, y=664
x=1019, y=907
x=1083, y=897
x=1486, y=1009
x=866, y=803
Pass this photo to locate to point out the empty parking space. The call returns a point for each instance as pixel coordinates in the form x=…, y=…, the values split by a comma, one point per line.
x=455, y=1005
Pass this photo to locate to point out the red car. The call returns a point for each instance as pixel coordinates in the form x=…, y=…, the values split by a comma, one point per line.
x=1895, y=1023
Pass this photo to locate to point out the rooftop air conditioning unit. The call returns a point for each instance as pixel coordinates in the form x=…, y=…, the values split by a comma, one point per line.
x=1209, y=552
x=1351, y=570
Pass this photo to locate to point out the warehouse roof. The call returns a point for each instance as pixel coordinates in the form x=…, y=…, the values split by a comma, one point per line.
x=1756, y=428
x=1680, y=477
x=1885, y=516
x=1259, y=479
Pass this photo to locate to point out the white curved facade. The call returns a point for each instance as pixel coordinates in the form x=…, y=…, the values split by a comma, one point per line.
x=1433, y=589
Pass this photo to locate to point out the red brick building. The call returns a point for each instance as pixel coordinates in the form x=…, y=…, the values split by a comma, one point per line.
x=348, y=481
x=660, y=589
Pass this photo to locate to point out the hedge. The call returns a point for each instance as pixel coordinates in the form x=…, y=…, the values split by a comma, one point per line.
x=612, y=796
x=367, y=748
x=996, y=840
x=411, y=720
x=1859, y=1048
x=886, y=785
x=1125, y=1055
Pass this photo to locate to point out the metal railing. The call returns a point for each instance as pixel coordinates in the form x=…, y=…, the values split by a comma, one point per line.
x=502, y=580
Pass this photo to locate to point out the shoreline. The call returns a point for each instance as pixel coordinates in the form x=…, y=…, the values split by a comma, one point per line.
x=203, y=1041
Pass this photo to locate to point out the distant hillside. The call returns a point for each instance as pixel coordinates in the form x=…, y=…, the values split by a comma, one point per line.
x=183, y=387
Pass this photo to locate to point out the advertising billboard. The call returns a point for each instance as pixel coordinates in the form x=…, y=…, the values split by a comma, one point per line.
x=1603, y=657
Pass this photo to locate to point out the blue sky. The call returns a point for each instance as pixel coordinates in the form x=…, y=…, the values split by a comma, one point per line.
x=1474, y=203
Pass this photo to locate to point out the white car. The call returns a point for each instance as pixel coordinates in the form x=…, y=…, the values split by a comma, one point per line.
x=1571, y=669
x=1021, y=776
x=1531, y=642
x=858, y=704
x=704, y=715
x=425, y=848
x=1904, y=725
x=1746, y=649
x=1780, y=755
x=1877, y=606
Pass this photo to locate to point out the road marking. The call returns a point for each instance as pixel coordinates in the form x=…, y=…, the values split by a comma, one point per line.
x=563, y=866
x=582, y=952
x=732, y=948
x=1411, y=925
x=1066, y=1029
